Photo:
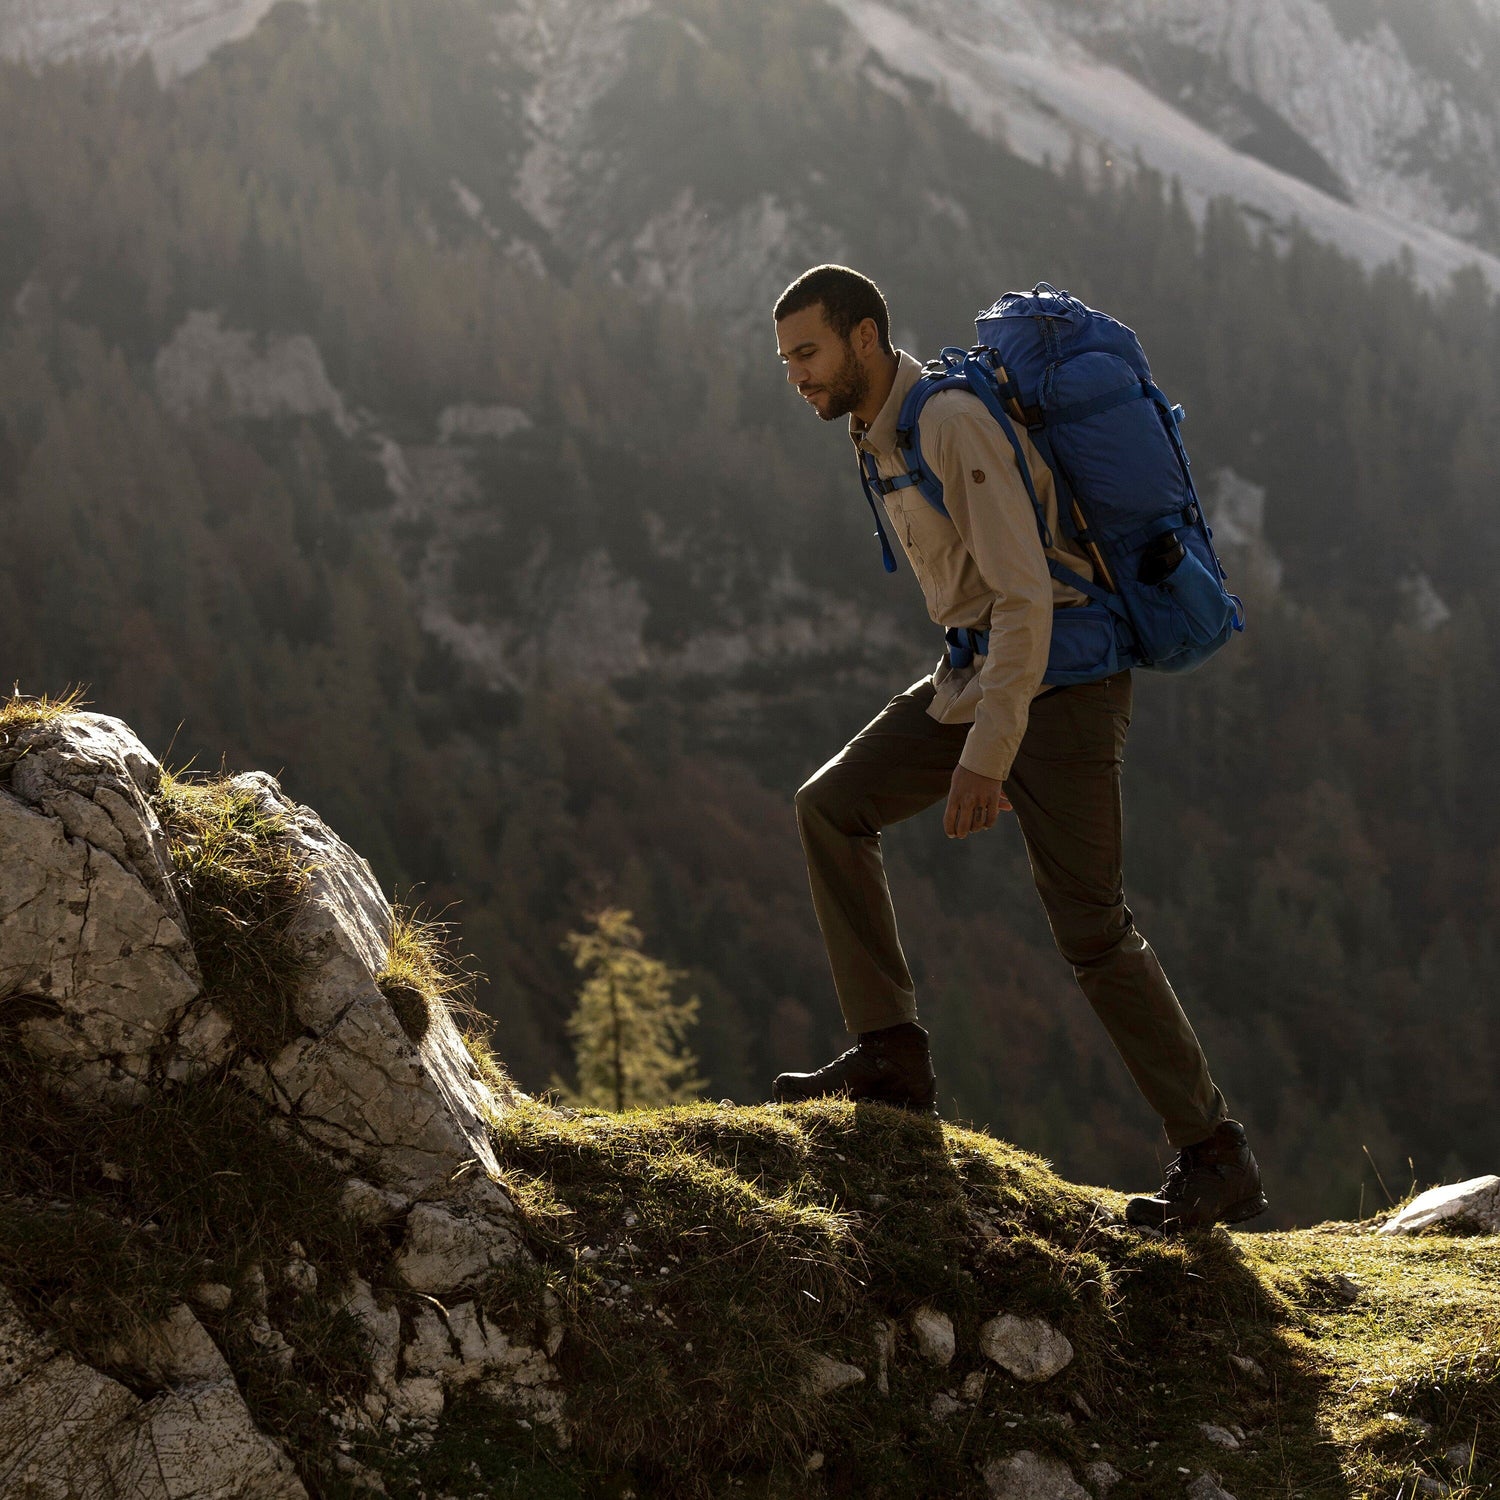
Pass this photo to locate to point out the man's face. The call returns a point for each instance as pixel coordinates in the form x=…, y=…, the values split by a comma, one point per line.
x=824, y=368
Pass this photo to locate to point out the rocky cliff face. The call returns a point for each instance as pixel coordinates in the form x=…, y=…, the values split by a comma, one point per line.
x=1374, y=128
x=104, y=1006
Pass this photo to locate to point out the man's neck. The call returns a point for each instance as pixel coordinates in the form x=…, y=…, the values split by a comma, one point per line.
x=880, y=389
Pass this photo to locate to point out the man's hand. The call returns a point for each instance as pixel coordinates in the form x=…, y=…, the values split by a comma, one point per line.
x=974, y=803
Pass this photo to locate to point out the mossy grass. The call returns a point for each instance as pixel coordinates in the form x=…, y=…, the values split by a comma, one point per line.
x=704, y=1255
x=241, y=883
x=1411, y=1363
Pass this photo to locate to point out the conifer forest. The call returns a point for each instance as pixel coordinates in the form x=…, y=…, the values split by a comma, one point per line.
x=676, y=559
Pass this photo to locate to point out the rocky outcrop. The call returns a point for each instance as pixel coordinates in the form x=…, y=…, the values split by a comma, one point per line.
x=66, y=1430
x=1473, y=1206
x=95, y=964
x=100, y=988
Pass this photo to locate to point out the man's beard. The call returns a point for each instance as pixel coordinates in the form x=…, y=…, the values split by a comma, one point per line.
x=847, y=390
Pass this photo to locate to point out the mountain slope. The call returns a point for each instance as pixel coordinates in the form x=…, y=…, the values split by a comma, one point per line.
x=1375, y=132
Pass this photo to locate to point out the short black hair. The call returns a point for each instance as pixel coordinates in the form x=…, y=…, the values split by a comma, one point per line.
x=847, y=299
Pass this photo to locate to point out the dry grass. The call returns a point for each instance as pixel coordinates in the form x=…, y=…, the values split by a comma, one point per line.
x=241, y=884
x=425, y=973
x=21, y=711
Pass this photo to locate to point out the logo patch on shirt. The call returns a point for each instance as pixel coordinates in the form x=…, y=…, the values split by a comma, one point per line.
x=977, y=475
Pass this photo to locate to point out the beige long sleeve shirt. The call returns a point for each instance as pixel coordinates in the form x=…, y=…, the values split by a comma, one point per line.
x=981, y=566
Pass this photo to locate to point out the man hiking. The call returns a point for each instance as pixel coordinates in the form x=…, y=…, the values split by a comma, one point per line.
x=984, y=737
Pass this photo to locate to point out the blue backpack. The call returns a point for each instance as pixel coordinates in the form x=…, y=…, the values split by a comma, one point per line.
x=1124, y=489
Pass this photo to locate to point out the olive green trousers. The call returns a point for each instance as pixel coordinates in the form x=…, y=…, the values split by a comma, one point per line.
x=1065, y=789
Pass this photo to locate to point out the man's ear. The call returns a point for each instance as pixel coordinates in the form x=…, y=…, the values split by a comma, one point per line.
x=866, y=338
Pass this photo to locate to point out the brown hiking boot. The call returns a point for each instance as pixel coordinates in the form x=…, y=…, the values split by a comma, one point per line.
x=891, y=1066
x=1215, y=1181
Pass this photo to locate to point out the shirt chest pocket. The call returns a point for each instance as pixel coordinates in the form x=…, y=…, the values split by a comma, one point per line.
x=930, y=535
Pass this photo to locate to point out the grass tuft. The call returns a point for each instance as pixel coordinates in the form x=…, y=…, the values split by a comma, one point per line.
x=241, y=884
x=424, y=973
x=22, y=711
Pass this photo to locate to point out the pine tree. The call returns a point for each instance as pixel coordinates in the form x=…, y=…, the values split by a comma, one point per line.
x=629, y=1029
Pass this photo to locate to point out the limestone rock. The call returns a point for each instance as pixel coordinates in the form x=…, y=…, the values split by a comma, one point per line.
x=446, y=1247
x=827, y=1375
x=92, y=942
x=213, y=1296
x=367, y=1204
x=460, y=1346
x=382, y=1333
x=354, y=1081
x=175, y=1351
x=1029, y=1476
x=1206, y=1487
x=1102, y=1476
x=94, y=776
x=1029, y=1348
x=1474, y=1204
x=419, y=1398
x=1220, y=1437
x=942, y=1406
x=68, y=1431
x=933, y=1333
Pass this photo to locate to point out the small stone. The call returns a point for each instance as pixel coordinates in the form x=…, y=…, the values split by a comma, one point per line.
x=827, y=1375
x=212, y=1296
x=1460, y=1455
x=1427, y=1485
x=814, y=1463
x=1104, y=1477
x=271, y=1341
x=944, y=1406
x=1220, y=1437
x=1249, y=1368
x=1206, y=1487
x=1081, y=1406
x=1029, y=1348
x=300, y=1275
x=933, y=1333
x=1029, y=1476
x=974, y=1384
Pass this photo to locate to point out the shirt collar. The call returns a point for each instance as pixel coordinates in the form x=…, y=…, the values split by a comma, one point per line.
x=879, y=437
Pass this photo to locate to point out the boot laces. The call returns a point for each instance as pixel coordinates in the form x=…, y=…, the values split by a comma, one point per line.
x=1183, y=1166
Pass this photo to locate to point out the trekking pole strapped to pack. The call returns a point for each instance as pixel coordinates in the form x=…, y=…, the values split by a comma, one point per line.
x=1125, y=493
